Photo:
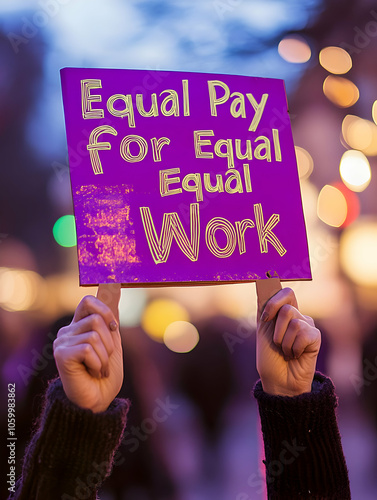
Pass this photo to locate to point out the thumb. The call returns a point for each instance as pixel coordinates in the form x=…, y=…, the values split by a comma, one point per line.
x=109, y=294
x=266, y=288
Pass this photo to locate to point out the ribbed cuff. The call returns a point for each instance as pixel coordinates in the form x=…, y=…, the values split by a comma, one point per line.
x=73, y=433
x=304, y=456
x=73, y=447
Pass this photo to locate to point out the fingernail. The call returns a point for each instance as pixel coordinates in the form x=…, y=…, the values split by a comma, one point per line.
x=264, y=316
x=113, y=325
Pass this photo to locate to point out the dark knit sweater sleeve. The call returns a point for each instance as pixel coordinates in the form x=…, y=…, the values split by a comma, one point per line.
x=72, y=451
x=303, y=452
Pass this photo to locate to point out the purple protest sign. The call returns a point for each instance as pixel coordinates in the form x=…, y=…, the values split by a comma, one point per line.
x=182, y=178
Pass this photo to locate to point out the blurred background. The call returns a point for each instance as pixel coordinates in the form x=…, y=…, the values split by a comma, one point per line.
x=190, y=352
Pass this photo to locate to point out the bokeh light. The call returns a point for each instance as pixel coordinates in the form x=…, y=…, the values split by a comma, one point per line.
x=304, y=162
x=322, y=296
x=358, y=250
x=353, y=203
x=20, y=290
x=65, y=292
x=340, y=91
x=159, y=314
x=64, y=231
x=181, y=336
x=374, y=112
x=332, y=206
x=360, y=134
x=335, y=60
x=355, y=170
x=234, y=301
x=294, y=49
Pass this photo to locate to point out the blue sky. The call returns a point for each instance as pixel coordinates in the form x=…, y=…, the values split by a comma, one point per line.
x=218, y=36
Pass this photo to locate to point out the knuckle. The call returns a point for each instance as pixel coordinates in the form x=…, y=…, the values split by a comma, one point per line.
x=55, y=345
x=290, y=293
x=63, y=331
x=285, y=310
x=317, y=334
x=86, y=349
x=296, y=325
x=58, y=351
x=93, y=337
x=310, y=320
x=291, y=296
x=86, y=301
x=96, y=321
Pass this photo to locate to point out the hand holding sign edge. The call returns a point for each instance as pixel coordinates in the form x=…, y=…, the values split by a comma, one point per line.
x=288, y=342
x=88, y=352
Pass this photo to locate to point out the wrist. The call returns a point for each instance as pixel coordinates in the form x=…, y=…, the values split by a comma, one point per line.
x=88, y=404
x=276, y=390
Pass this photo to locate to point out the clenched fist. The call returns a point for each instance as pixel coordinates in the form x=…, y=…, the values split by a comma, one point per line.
x=88, y=352
x=287, y=343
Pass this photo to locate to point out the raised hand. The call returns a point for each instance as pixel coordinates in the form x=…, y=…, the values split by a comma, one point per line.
x=287, y=342
x=88, y=352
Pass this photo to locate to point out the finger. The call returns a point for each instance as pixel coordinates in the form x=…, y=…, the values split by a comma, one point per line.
x=292, y=332
x=284, y=296
x=283, y=319
x=309, y=320
x=81, y=354
x=308, y=340
x=265, y=290
x=92, y=305
x=94, y=322
x=91, y=338
x=109, y=294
